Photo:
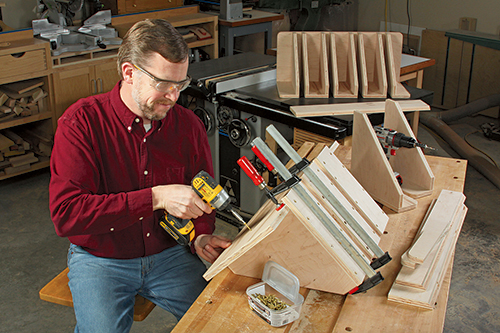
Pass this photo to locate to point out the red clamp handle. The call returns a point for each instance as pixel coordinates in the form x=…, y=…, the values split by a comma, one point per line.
x=261, y=157
x=250, y=170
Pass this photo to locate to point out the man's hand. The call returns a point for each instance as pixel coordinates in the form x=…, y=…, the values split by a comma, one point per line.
x=180, y=201
x=209, y=247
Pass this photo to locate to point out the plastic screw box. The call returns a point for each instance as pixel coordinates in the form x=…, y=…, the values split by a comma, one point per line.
x=279, y=282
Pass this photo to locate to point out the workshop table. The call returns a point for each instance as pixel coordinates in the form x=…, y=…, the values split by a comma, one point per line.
x=257, y=21
x=223, y=305
x=412, y=67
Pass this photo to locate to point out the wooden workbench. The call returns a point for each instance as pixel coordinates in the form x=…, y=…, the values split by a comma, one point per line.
x=223, y=305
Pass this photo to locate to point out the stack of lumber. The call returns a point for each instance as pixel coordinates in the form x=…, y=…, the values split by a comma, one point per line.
x=22, y=99
x=339, y=64
x=20, y=149
x=426, y=261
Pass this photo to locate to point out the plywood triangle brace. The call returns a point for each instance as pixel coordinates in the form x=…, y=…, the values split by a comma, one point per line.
x=372, y=169
x=418, y=179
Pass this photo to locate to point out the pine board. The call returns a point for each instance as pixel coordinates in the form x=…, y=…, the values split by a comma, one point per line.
x=349, y=108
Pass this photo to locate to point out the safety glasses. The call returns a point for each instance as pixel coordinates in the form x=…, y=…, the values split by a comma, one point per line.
x=166, y=86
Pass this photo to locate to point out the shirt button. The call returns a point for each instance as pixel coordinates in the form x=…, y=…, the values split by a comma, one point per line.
x=148, y=234
x=112, y=229
x=129, y=128
x=144, y=139
x=145, y=172
x=137, y=120
x=141, y=218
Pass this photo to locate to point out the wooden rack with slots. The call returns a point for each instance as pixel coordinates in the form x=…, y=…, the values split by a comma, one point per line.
x=294, y=237
x=376, y=174
x=352, y=63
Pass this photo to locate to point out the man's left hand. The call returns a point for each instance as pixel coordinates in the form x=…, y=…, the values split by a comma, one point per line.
x=209, y=247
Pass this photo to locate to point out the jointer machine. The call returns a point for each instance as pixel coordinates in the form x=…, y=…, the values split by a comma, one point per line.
x=236, y=98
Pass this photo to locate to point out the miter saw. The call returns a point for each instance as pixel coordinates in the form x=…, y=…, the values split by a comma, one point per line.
x=92, y=35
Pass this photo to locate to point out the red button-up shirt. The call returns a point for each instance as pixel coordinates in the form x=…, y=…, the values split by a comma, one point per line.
x=103, y=166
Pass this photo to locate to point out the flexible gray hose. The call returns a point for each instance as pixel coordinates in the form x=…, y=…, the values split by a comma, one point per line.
x=437, y=122
x=470, y=109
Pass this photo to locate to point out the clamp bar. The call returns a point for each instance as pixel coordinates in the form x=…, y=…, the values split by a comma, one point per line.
x=344, y=213
x=322, y=217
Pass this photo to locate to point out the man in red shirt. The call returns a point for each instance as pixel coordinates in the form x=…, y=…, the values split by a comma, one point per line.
x=119, y=161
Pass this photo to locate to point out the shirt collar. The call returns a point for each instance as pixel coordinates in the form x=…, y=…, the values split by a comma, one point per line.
x=127, y=117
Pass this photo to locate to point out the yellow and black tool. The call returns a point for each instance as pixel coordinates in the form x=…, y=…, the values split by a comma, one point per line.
x=214, y=195
x=182, y=230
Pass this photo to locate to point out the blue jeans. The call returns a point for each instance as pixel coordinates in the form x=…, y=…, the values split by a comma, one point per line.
x=104, y=289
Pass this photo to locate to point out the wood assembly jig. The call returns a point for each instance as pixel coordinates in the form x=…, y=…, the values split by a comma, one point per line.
x=375, y=172
x=340, y=64
x=326, y=233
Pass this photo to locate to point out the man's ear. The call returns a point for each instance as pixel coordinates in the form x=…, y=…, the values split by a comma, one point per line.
x=127, y=72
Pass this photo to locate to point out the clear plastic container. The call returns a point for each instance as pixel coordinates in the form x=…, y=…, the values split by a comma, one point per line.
x=279, y=282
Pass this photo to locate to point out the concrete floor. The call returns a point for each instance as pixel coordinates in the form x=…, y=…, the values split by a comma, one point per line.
x=32, y=254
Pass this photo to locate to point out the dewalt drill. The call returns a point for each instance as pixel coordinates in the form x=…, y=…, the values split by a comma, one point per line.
x=182, y=230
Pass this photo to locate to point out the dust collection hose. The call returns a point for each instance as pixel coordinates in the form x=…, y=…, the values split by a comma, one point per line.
x=437, y=121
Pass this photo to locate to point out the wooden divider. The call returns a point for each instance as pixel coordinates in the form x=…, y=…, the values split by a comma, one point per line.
x=288, y=61
x=343, y=65
x=315, y=65
x=393, y=46
x=371, y=65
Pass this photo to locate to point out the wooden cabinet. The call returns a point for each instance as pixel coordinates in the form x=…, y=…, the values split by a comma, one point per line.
x=81, y=80
x=81, y=74
x=134, y=6
x=74, y=75
x=179, y=17
x=25, y=70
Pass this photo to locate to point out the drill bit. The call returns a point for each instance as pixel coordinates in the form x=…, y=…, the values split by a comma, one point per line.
x=424, y=146
x=239, y=218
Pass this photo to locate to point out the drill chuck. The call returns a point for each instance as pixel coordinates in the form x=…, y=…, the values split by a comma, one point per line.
x=401, y=140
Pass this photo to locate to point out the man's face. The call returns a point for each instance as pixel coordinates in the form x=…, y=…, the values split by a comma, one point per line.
x=153, y=102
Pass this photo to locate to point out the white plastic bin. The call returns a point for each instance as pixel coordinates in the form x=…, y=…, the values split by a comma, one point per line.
x=279, y=282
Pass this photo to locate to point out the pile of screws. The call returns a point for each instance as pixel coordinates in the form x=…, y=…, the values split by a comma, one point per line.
x=271, y=301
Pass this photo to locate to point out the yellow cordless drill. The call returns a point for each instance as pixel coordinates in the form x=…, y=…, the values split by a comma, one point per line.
x=182, y=230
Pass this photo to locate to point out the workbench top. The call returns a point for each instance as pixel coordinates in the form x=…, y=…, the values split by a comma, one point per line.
x=223, y=305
